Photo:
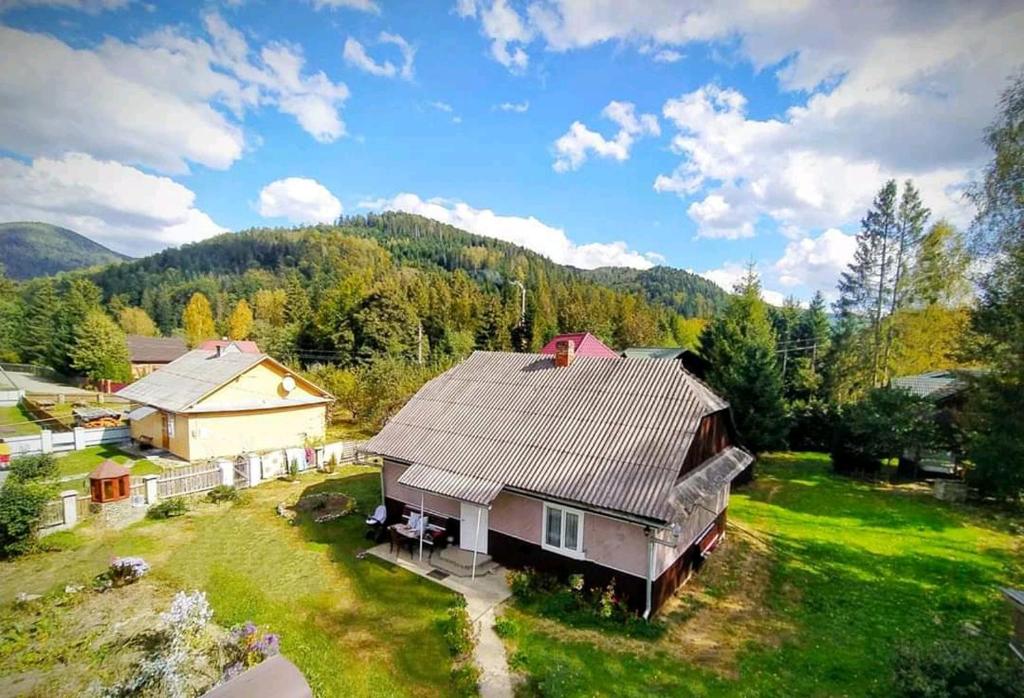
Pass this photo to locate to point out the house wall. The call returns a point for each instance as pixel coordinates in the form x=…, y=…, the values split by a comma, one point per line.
x=260, y=381
x=700, y=519
x=713, y=436
x=150, y=429
x=213, y=435
x=144, y=369
x=442, y=505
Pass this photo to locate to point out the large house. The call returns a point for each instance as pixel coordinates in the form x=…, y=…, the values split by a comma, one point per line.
x=607, y=467
x=224, y=403
x=147, y=354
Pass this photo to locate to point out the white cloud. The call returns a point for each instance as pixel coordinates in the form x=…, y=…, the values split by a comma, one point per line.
x=882, y=91
x=573, y=146
x=300, y=200
x=506, y=29
x=727, y=276
x=442, y=106
x=117, y=205
x=816, y=263
x=528, y=232
x=667, y=55
x=517, y=107
x=361, y=5
x=88, y=6
x=188, y=96
x=355, y=54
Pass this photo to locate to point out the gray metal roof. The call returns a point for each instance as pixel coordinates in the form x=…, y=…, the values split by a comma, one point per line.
x=934, y=385
x=1015, y=595
x=449, y=484
x=155, y=350
x=179, y=384
x=652, y=352
x=607, y=434
x=708, y=479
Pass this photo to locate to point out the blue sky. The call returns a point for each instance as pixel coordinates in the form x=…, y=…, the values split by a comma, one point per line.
x=631, y=133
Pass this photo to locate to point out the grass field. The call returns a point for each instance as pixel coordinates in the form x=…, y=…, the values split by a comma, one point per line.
x=355, y=627
x=15, y=421
x=819, y=581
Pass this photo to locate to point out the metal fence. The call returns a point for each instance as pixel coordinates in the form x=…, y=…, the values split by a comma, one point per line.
x=187, y=480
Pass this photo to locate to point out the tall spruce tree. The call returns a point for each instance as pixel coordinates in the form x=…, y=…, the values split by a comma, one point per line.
x=99, y=350
x=740, y=345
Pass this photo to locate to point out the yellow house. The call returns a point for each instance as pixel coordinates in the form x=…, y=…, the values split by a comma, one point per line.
x=224, y=403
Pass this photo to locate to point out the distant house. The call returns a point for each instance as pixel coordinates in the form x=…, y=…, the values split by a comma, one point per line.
x=1016, y=599
x=243, y=345
x=211, y=404
x=147, y=354
x=691, y=360
x=571, y=464
x=947, y=390
x=584, y=344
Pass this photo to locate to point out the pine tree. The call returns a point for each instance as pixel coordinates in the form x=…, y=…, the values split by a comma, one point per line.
x=197, y=320
x=99, y=350
x=910, y=222
x=740, y=346
x=240, y=321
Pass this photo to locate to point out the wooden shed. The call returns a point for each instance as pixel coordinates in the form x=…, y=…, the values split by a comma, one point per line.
x=109, y=482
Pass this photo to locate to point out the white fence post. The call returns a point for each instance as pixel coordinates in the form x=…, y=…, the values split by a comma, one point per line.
x=254, y=470
x=69, y=501
x=46, y=441
x=79, y=438
x=227, y=472
x=151, y=489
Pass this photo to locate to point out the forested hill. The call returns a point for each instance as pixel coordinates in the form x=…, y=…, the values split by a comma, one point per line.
x=365, y=285
x=28, y=250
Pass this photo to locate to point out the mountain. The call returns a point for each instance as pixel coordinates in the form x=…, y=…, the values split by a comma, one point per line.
x=364, y=286
x=28, y=250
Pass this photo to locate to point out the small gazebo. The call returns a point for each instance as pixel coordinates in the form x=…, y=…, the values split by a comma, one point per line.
x=109, y=482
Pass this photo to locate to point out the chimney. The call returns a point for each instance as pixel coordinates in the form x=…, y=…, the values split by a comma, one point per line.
x=565, y=352
x=220, y=350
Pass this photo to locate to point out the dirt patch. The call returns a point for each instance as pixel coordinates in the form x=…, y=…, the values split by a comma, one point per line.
x=724, y=607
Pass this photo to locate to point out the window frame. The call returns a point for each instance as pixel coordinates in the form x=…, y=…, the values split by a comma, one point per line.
x=578, y=554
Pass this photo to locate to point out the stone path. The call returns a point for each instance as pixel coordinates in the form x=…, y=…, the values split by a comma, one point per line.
x=483, y=595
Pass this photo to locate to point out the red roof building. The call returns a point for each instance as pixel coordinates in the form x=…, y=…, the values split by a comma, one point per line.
x=584, y=344
x=245, y=346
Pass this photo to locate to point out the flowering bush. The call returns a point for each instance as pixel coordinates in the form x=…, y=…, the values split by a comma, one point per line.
x=126, y=570
x=180, y=663
x=248, y=646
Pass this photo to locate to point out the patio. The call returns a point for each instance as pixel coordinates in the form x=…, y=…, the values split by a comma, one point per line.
x=483, y=594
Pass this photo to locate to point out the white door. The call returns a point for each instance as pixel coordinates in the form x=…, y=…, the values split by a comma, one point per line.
x=471, y=514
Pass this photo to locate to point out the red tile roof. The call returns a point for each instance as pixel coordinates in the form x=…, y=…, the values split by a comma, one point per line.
x=584, y=344
x=108, y=469
x=244, y=345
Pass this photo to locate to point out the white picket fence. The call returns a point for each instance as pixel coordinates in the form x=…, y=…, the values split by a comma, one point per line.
x=48, y=441
x=245, y=471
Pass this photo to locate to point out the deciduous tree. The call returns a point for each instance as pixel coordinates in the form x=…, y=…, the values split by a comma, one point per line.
x=100, y=350
x=197, y=320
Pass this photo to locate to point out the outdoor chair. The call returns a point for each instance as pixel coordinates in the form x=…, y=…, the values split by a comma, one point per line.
x=375, y=530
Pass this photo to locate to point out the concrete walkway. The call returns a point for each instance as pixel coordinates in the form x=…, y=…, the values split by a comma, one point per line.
x=483, y=595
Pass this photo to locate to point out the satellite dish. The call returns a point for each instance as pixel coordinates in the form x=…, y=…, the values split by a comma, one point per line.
x=288, y=384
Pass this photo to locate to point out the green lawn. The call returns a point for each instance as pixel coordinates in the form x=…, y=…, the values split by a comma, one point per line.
x=817, y=584
x=85, y=461
x=354, y=627
x=15, y=421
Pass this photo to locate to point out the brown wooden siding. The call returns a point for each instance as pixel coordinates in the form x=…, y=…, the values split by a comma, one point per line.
x=712, y=438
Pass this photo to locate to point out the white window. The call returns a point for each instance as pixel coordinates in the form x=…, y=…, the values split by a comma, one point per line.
x=563, y=530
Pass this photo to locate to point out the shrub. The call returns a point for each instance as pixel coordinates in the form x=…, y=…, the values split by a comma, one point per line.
x=505, y=627
x=457, y=630
x=21, y=506
x=30, y=468
x=223, y=493
x=962, y=666
x=168, y=508
x=293, y=469
x=883, y=425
